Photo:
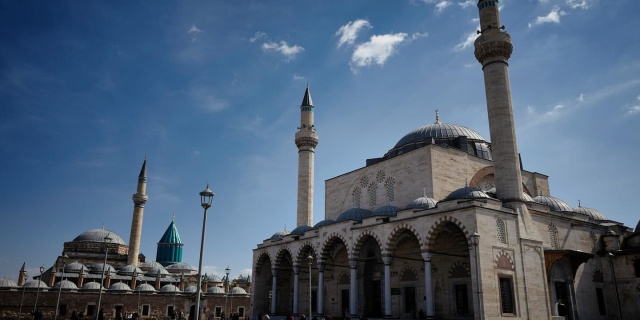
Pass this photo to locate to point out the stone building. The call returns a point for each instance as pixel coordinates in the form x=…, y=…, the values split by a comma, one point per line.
x=448, y=225
x=98, y=260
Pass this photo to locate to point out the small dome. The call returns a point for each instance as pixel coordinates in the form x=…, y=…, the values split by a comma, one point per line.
x=7, y=283
x=129, y=270
x=98, y=268
x=212, y=278
x=554, y=203
x=386, y=211
x=466, y=192
x=145, y=287
x=66, y=285
x=591, y=213
x=492, y=193
x=91, y=286
x=280, y=234
x=527, y=198
x=169, y=288
x=98, y=235
x=180, y=266
x=190, y=289
x=237, y=290
x=35, y=284
x=150, y=264
x=323, y=223
x=120, y=286
x=215, y=290
x=243, y=279
x=74, y=267
x=154, y=272
x=423, y=202
x=301, y=230
x=356, y=214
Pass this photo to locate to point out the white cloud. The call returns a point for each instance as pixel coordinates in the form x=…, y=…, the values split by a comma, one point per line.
x=245, y=272
x=467, y=41
x=194, y=32
x=581, y=97
x=257, y=36
x=552, y=17
x=349, y=32
x=634, y=110
x=579, y=4
x=289, y=52
x=377, y=50
x=205, y=99
x=439, y=4
x=468, y=3
x=531, y=109
x=418, y=35
x=297, y=77
x=196, y=152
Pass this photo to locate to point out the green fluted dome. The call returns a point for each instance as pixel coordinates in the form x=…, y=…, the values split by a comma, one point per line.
x=170, y=246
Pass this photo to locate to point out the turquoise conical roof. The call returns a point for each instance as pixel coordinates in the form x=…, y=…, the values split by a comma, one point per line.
x=171, y=235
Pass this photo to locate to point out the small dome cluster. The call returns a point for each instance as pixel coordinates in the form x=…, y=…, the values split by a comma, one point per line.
x=554, y=204
x=66, y=285
x=169, y=288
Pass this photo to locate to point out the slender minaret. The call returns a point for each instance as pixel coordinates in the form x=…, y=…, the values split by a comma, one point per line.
x=306, y=140
x=139, y=199
x=493, y=49
x=22, y=277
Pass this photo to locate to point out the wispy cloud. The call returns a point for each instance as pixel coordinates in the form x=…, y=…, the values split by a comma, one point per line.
x=349, y=32
x=468, y=3
x=418, y=35
x=467, y=41
x=440, y=5
x=297, y=77
x=579, y=4
x=289, y=52
x=580, y=97
x=196, y=152
x=257, y=36
x=377, y=50
x=552, y=17
x=194, y=32
x=205, y=99
x=633, y=110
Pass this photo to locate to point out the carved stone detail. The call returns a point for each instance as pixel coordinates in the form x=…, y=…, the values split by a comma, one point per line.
x=493, y=45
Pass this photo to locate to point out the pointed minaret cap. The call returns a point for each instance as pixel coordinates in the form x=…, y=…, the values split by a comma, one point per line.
x=306, y=101
x=23, y=267
x=143, y=171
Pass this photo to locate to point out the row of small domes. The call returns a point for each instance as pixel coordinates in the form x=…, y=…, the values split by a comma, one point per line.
x=153, y=268
x=424, y=203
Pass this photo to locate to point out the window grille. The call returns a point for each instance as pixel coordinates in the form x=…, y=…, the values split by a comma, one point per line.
x=389, y=186
x=506, y=296
x=373, y=188
x=357, y=194
x=502, y=233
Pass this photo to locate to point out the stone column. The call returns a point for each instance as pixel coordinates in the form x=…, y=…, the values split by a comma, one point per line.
x=426, y=256
x=353, y=306
x=320, y=289
x=387, y=286
x=274, y=287
x=296, y=291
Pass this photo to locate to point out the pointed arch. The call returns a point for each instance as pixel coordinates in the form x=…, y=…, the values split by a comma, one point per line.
x=329, y=242
x=504, y=261
x=264, y=256
x=282, y=254
x=360, y=241
x=432, y=234
x=300, y=255
x=391, y=243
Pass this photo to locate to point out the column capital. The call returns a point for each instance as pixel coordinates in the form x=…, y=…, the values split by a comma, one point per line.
x=353, y=263
x=296, y=269
x=274, y=272
x=321, y=266
x=387, y=260
x=426, y=256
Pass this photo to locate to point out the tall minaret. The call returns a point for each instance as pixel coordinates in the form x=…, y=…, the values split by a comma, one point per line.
x=493, y=49
x=139, y=199
x=306, y=140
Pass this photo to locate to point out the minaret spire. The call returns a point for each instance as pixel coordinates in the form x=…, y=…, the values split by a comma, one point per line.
x=306, y=141
x=139, y=199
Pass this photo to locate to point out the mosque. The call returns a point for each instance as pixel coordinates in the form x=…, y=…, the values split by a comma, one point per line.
x=447, y=225
x=100, y=260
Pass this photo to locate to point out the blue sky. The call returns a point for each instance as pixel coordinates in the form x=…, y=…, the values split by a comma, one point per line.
x=210, y=92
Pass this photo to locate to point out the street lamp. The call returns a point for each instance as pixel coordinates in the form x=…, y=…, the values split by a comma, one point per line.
x=475, y=241
x=226, y=282
x=22, y=300
x=206, y=196
x=35, y=305
x=310, y=260
x=107, y=240
x=615, y=283
x=64, y=260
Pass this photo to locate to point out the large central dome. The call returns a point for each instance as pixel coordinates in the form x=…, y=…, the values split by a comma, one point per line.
x=443, y=134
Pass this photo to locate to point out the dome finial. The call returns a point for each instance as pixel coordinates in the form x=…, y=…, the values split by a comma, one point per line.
x=285, y=227
x=424, y=192
x=579, y=205
x=466, y=182
x=173, y=217
x=437, y=117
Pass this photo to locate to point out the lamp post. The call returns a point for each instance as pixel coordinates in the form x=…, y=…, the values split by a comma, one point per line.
x=310, y=261
x=206, y=196
x=107, y=240
x=35, y=305
x=615, y=283
x=64, y=260
x=22, y=300
x=475, y=240
x=226, y=283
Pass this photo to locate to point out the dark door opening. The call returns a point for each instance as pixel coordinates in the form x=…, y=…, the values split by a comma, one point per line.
x=410, y=301
x=344, y=302
x=563, y=303
x=462, y=299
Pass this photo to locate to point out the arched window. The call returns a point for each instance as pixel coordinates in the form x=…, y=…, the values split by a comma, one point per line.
x=380, y=176
x=357, y=194
x=553, y=236
x=502, y=232
x=389, y=187
x=373, y=188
